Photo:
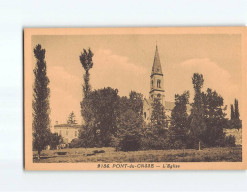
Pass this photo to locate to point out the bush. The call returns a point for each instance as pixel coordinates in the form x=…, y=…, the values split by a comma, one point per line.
x=128, y=135
x=129, y=143
x=178, y=144
x=230, y=141
x=89, y=137
x=55, y=140
x=75, y=143
x=157, y=143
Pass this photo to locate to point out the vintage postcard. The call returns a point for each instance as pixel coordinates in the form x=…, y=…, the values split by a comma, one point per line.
x=135, y=98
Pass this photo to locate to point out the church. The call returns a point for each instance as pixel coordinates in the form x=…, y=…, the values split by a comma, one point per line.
x=156, y=90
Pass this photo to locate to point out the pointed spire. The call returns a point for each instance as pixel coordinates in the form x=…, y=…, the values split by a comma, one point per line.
x=156, y=65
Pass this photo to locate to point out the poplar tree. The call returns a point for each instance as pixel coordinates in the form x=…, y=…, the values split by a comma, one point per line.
x=40, y=103
x=197, y=124
x=86, y=59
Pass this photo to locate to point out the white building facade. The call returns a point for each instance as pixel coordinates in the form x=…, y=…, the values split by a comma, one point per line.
x=67, y=131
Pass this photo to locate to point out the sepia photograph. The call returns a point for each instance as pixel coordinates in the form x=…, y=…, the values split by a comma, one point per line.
x=134, y=98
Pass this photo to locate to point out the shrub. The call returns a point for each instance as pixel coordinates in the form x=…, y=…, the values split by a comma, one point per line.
x=178, y=144
x=75, y=143
x=128, y=135
x=230, y=141
x=130, y=143
x=158, y=143
x=55, y=140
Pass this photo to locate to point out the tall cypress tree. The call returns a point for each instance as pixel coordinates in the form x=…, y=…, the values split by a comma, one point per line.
x=237, y=122
x=237, y=115
x=232, y=113
x=40, y=103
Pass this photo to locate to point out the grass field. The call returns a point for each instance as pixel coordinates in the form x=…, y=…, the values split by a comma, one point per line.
x=109, y=155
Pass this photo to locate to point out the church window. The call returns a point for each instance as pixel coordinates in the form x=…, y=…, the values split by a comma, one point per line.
x=145, y=115
x=158, y=95
x=158, y=83
x=152, y=83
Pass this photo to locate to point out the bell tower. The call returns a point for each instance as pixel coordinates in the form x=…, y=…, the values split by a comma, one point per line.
x=156, y=80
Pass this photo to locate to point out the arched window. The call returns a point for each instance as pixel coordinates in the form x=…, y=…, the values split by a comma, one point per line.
x=158, y=95
x=158, y=83
x=145, y=115
x=152, y=83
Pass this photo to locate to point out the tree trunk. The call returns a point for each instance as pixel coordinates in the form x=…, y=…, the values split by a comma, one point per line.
x=39, y=154
x=199, y=144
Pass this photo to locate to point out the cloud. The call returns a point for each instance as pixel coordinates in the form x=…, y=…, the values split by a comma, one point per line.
x=109, y=70
x=215, y=77
x=118, y=72
x=66, y=94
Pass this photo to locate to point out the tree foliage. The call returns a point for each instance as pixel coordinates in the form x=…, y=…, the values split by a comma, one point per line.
x=179, y=128
x=197, y=124
x=136, y=102
x=214, y=118
x=55, y=140
x=71, y=119
x=235, y=121
x=232, y=112
x=129, y=128
x=207, y=116
x=100, y=110
x=86, y=59
x=237, y=115
x=40, y=103
x=158, y=118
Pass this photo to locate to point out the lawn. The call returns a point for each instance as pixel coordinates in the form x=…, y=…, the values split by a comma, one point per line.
x=109, y=155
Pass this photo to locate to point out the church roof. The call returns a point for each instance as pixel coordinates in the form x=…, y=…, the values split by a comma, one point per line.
x=68, y=125
x=168, y=105
x=156, y=69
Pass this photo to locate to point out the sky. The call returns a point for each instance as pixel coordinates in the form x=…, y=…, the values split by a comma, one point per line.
x=125, y=62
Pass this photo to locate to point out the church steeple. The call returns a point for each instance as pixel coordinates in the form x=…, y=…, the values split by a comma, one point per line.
x=156, y=79
x=156, y=69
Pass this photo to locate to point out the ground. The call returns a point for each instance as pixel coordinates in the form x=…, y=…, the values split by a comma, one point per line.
x=109, y=155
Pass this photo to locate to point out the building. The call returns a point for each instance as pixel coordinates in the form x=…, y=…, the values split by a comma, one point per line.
x=67, y=131
x=156, y=90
